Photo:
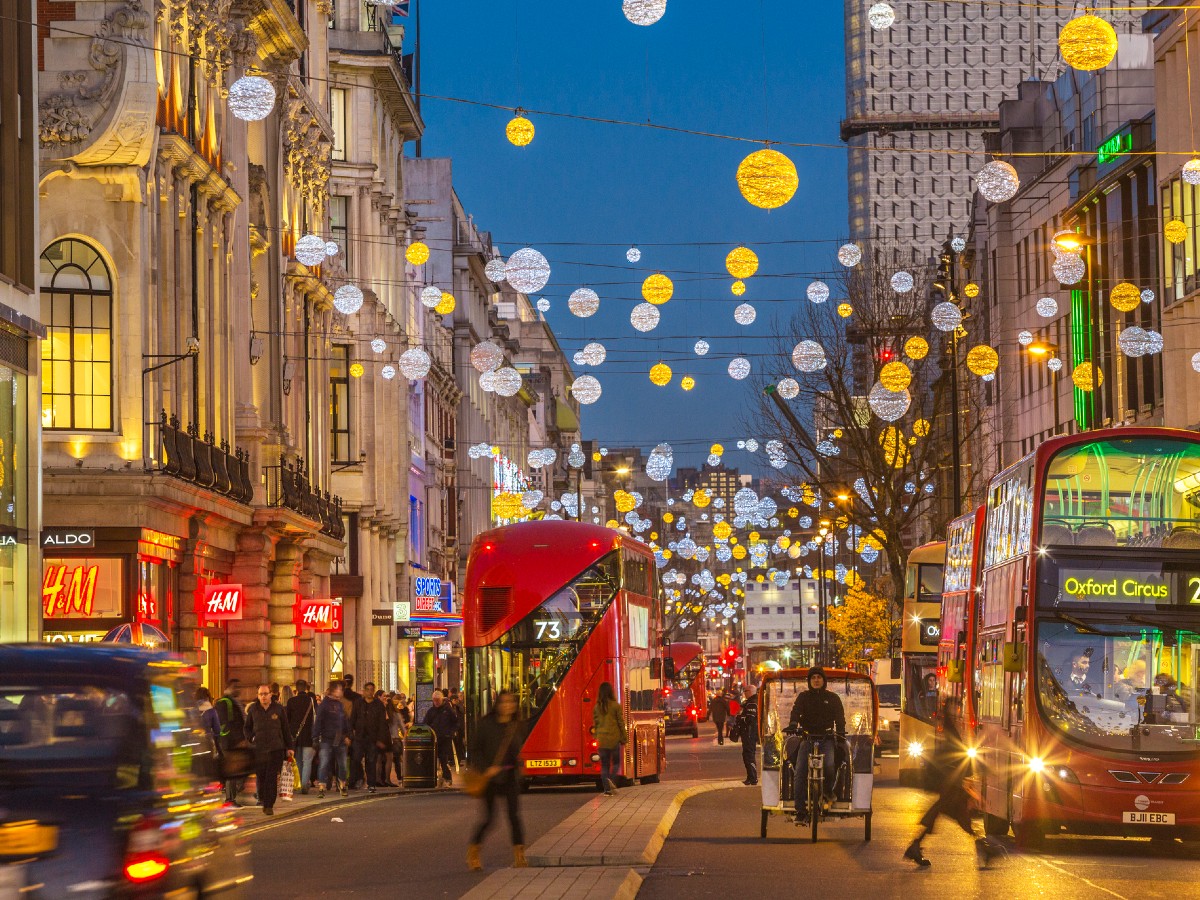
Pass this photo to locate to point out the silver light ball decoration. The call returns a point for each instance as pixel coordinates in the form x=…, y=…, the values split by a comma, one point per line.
x=1154, y=341
x=701, y=348
x=849, y=255
x=818, y=292
x=586, y=389
x=644, y=12
x=251, y=98
x=1134, y=341
x=388, y=372
x=958, y=244
x=902, y=282
x=739, y=368
x=507, y=381
x=808, y=356
x=1069, y=268
x=347, y=299
x=379, y=345
x=331, y=248
x=583, y=302
x=527, y=270
x=946, y=316
x=633, y=254
x=1024, y=338
x=486, y=357
x=414, y=363
x=310, y=250
x=1191, y=171
x=1147, y=296
x=1047, y=307
x=997, y=181
x=543, y=305
x=1196, y=361
x=888, y=405
x=1054, y=364
x=593, y=354
x=431, y=296
x=881, y=16
x=644, y=317
x=744, y=314
x=494, y=270
x=788, y=388
x=660, y=463
x=530, y=499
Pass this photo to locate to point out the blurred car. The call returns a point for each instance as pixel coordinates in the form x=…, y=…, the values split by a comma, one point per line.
x=680, y=714
x=108, y=785
x=889, y=717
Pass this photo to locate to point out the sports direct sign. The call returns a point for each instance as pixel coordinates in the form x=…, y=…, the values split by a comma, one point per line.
x=221, y=603
x=319, y=615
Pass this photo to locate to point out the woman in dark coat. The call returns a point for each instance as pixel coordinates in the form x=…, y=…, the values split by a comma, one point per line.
x=495, y=752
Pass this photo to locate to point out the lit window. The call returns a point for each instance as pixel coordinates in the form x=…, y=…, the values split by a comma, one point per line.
x=339, y=404
x=77, y=365
x=337, y=115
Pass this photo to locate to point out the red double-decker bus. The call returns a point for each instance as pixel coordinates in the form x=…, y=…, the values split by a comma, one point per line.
x=686, y=698
x=551, y=610
x=960, y=577
x=1085, y=650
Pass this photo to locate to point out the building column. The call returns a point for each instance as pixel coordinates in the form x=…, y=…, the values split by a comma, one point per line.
x=248, y=638
x=283, y=644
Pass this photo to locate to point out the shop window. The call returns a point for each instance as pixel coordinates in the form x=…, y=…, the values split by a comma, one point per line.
x=339, y=404
x=77, y=364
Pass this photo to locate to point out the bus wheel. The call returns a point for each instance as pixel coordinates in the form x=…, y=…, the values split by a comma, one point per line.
x=649, y=779
x=996, y=826
x=762, y=831
x=1030, y=835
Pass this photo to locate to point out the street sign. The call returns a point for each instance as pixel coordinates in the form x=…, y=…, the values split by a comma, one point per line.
x=381, y=617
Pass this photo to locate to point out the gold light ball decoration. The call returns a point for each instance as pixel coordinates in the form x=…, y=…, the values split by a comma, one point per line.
x=1125, y=297
x=356, y=370
x=1087, y=43
x=508, y=505
x=916, y=347
x=767, y=179
x=971, y=290
x=660, y=374
x=921, y=428
x=668, y=518
x=701, y=499
x=1175, y=231
x=657, y=289
x=845, y=310
x=739, y=551
x=625, y=501
x=982, y=359
x=722, y=531
x=687, y=382
x=446, y=304
x=742, y=262
x=417, y=253
x=738, y=288
x=519, y=131
x=895, y=376
x=1087, y=377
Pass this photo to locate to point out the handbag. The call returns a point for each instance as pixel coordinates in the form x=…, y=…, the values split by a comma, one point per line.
x=475, y=783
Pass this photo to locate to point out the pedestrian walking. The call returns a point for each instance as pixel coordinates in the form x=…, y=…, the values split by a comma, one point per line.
x=609, y=726
x=496, y=743
x=392, y=759
x=747, y=721
x=232, y=732
x=331, y=732
x=352, y=700
x=444, y=722
x=268, y=734
x=301, y=711
x=718, y=711
x=372, y=733
x=950, y=762
x=460, y=733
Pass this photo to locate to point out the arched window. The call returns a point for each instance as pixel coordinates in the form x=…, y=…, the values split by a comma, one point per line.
x=77, y=308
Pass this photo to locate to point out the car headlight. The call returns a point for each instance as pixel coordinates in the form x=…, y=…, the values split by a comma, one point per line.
x=916, y=749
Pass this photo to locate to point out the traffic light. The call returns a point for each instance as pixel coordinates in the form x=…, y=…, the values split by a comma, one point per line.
x=728, y=657
x=886, y=355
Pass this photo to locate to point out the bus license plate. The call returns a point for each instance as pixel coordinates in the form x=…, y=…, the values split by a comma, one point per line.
x=542, y=764
x=1148, y=818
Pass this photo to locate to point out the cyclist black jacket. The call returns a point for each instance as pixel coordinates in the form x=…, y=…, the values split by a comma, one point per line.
x=819, y=712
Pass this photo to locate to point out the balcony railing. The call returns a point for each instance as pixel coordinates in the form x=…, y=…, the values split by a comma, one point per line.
x=202, y=462
x=288, y=487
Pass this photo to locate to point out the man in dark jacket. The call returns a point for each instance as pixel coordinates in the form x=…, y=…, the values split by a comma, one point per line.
x=352, y=700
x=331, y=733
x=444, y=722
x=301, y=711
x=460, y=733
x=718, y=710
x=748, y=727
x=232, y=731
x=268, y=733
x=371, y=732
x=818, y=713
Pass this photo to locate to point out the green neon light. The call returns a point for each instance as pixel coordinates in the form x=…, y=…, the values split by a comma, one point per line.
x=1081, y=351
x=1117, y=145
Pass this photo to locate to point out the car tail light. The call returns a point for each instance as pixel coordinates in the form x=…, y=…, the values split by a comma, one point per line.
x=145, y=860
x=694, y=712
x=595, y=744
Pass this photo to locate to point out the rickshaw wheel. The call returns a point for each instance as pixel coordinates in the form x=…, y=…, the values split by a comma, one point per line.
x=867, y=829
x=762, y=831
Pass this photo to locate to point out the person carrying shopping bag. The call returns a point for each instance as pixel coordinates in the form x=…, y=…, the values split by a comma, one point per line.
x=609, y=726
x=496, y=742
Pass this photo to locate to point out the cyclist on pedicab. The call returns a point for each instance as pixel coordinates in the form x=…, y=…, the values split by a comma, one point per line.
x=818, y=714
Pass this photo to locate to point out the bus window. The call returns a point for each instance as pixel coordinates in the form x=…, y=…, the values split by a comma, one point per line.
x=930, y=584
x=920, y=688
x=636, y=573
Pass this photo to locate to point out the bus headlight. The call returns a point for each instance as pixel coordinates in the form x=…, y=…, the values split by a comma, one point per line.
x=1066, y=775
x=1036, y=765
x=916, y=749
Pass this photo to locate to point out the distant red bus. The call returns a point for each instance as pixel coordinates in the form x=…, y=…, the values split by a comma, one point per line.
x=959, y=607
x=551, y=610
x=691, y=672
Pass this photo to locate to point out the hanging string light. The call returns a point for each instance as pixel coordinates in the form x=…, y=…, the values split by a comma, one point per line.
x=583, y=302
x=494, y=270
x=644, y=317
x=1125, y=297
x=738, y=288
x=348, y=299
x=997, y=181
x=414, y=364
x=744, y=314
x=446, y=304
x=644, y=12
x=818, y=292
x=916, y=347
x=982, y=359
x=1175, y=231
x=586, y=389
x=849, y=255
x=431, y=296
x=527, y=271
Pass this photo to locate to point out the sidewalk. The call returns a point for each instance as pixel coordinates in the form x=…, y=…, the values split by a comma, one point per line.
x=597, y=850
x=305, y=805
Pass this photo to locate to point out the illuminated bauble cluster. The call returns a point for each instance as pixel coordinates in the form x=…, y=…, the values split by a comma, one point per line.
x=997, y=181
x=633, y=254
x=519, y=131
x=1135, y=341
x=1125, y=297
x=251, y=98
x=494, y=270
x=657, y=289
x=527, y=270
x=916, y=347
x=414, y=364
x=1087, y=43
x=378, y=345
x=895, y=376
x=586, y=389
x=982, y=359
x=1087, y=377
x=701, y=348
x=788, y=388
x=347, y=299
x=660, y=374
x=431, y=296
x=818, y=292
x=593, y=354
x=310, y=250
x=881, y=16
x=888, y=405
x=507, y=381
x=946, y=316
x=583, y=302
x=644, y=12
x=849, y=255
x=767, y=179
x=1047, y=307
x=902, y=282
x=1069, y=268
x=1175, y=231
x=742, y=262
x=739, y=368
x=808, y=356
x=744, y=314
x=417, y=253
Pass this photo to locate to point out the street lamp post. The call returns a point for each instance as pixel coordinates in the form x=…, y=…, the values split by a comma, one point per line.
x=1044, y=349
x=823, y=613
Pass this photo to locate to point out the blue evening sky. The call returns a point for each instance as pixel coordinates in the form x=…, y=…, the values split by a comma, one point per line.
x=582, y=192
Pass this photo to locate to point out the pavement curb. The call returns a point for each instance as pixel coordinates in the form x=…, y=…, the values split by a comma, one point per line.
x=663, y=831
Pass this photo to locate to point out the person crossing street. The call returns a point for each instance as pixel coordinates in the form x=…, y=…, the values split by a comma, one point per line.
x=268, y=733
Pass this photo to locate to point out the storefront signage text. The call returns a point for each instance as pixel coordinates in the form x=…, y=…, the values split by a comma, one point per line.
x=221, y=603
x=319, y=615
x=1120, y=144
x=428, y=587
x=69, y=591
x=382, y=617
x=401, y=611
x=1136, y=588
x=69, y=538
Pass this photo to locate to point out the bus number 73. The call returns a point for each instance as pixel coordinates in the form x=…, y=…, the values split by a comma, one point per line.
x=548, y=629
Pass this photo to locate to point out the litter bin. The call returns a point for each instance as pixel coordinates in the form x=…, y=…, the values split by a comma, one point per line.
x=420, y=758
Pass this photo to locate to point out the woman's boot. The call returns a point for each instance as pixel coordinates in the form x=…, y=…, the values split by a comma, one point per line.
x=519, y=861
x=474, y=863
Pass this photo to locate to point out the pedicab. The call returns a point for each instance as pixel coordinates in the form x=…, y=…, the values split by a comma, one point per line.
x=854, y=763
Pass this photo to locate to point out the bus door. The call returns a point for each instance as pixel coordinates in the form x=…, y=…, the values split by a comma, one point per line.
x=591, y=690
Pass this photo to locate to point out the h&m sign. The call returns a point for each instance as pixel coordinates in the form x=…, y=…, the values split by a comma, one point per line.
x=319, y=615
x=221, y=603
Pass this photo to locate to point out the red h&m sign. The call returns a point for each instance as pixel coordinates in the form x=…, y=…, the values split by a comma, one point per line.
x=319, y=615
x=221, y=603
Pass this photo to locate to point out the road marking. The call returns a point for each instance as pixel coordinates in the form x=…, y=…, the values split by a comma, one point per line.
x=1086, y=881
x=305, y=816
